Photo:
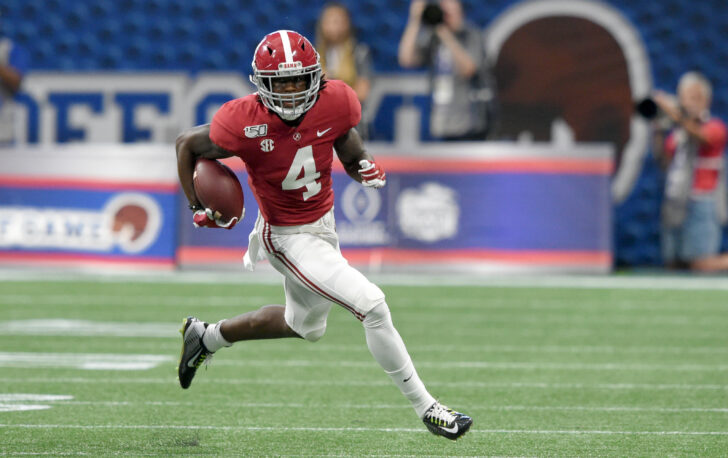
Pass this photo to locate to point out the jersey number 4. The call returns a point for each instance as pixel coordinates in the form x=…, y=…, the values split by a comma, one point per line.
x=294, y=180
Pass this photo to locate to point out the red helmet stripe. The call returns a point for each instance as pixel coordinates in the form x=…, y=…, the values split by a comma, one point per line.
x=286, y=46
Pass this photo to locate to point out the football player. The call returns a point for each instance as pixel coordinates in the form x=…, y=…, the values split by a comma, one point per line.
x=285, y=134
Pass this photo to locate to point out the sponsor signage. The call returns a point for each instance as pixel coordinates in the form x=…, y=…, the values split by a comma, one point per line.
x=66, y=205
x=503, y=206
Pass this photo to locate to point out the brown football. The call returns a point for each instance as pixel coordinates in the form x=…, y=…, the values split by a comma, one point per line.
x=218, y=189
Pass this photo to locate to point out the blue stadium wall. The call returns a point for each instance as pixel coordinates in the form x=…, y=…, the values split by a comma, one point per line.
x=190, y=35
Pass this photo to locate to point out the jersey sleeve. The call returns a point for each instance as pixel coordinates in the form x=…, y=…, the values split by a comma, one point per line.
x=715, y=133
x=222, y=132
x=353, y=116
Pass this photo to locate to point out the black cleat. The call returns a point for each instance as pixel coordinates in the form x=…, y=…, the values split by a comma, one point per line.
x=194, y=352
x=443, y=421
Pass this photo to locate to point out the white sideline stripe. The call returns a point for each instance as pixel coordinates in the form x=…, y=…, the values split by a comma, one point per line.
x=14, y=397
x=81, y=328
x=371, y=383
x=138, y=362
x=246, y=300
x=361, y=429
x=22, y=407
x=85, y=328
x=269, y=277
x=485, y=365
x=536, y=349
x=145, y=300
x=9, y=401
x=87, y=361
x=400, y=406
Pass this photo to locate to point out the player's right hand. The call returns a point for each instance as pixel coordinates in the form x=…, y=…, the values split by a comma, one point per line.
x=206, y=218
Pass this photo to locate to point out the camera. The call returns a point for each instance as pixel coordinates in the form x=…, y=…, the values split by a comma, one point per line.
x=432, y=14
x=647, y=108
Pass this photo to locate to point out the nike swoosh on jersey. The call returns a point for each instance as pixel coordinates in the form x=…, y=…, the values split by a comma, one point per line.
x=407, y=379
x=320, y=133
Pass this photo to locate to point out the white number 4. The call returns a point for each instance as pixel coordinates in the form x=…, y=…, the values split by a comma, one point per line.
x=303, y=160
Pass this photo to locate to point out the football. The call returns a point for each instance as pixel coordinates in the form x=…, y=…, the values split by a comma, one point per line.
x=218, y=189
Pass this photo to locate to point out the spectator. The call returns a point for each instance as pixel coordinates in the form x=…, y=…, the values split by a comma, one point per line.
x=461, y=84
x=13, y=63
x=694, y=205
x=342, y=57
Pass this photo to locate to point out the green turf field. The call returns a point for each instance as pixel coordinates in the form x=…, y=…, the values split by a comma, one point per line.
x=543, y=372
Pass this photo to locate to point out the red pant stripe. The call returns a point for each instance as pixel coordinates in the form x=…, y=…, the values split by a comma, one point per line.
x=306, y=281
x=266, y=228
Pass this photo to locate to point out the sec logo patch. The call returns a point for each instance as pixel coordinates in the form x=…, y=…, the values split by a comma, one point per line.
x=267, y=145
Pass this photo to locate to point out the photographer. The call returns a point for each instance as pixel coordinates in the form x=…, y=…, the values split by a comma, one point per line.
x=694, y=205
x=461, y=85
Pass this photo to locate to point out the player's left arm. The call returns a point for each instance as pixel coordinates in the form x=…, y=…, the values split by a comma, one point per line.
x=190, y=145
x=357, y=162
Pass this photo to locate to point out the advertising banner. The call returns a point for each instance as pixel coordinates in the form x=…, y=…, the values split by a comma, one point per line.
x=90, y=205
x=490, y=207
x=499, y=207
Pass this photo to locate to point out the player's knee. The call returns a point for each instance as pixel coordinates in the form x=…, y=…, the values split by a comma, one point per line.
x=378, y=316
x=312, y=335
x=369, y=298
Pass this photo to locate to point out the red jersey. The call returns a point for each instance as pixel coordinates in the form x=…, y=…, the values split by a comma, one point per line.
x=289, y=167
x=709, y=162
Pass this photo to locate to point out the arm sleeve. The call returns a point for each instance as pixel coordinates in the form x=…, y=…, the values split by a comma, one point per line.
x=715, y=134
x=353, y=116
x=221, y=132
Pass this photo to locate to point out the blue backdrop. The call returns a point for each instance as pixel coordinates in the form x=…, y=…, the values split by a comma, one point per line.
x=196, y=35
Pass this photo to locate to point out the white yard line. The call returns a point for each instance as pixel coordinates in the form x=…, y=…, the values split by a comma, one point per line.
x=88, y=328
x=267, y=276
x=270, y=405
x=133, y=300
x=367, y=383
x=537, y=349
x=243, y=300
x=497, y=365
x=87, y=361
x=17, y=397
x=358, y=429
x=132, y=361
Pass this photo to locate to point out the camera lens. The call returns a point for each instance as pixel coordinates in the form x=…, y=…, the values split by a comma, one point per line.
x=647, y=108
x=432, y=14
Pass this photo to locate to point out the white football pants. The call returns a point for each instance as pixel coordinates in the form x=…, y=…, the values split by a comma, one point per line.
x=315, y=273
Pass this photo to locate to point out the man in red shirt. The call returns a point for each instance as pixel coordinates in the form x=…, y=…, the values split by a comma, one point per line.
x=285, y=134
x=694, y=206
